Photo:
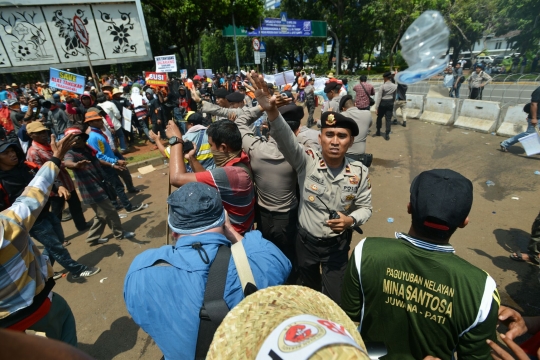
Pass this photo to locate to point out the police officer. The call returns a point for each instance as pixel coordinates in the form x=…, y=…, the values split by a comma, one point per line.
x=277, y=203
x=362, y=119
x=384, y=103
x=332, y=89
x=329, y=183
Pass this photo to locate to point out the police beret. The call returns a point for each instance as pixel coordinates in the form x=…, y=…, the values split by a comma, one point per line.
x=221, y=93
x=292, y=112
x=332, y=85
x=235, y=97
x=332, y=119
x=343, y=100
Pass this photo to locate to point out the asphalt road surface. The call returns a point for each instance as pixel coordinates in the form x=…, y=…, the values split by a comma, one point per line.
x=498, y=225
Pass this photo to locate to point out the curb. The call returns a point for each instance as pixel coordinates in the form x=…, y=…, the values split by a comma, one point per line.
x=156, y=161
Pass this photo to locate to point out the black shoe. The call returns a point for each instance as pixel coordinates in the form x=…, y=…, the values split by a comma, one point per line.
x=394, y=122
x=134, y=191
x=378, y=133
x=404, y=124
x=387, y=137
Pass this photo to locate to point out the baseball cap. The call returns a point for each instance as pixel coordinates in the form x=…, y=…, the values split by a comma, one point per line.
x=441, y=199
x=194, y=118
x=293, y=322
x=4, y=144
x=35, y=127
x=75, y=131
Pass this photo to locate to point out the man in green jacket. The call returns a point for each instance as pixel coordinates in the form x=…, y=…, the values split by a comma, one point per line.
x=413, y=293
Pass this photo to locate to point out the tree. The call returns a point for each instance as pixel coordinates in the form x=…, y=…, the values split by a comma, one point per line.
x=522, y=15
x=181, y=23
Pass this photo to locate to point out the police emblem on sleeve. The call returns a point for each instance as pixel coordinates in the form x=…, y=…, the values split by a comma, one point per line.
x=299, y=334
x=354, y=180
x=349, y=197
x=330, y=120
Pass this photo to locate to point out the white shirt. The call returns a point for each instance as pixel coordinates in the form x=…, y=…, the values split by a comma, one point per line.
x=113, y=113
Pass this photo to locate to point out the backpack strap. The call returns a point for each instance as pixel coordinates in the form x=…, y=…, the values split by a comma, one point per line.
x=214, y=308
x=245, y=274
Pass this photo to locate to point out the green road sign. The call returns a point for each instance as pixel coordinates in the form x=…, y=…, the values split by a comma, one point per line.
x=294, y=28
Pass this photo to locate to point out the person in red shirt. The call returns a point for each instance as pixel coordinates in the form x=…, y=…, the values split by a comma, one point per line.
x=232, y=175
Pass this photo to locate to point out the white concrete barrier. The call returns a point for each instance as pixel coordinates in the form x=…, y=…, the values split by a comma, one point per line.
x=514, y=122
x=415, y=106
x=439, y=110
x=478, y=115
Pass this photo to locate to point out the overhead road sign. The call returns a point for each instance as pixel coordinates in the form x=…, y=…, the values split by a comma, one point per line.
x=274, y=27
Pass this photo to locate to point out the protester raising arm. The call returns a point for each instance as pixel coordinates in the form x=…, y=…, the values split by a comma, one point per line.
x=178, y=174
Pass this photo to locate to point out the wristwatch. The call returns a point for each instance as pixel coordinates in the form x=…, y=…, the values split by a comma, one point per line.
x=175, y=140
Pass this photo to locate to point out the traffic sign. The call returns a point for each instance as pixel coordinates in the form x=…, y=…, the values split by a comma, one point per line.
x=256, y=44
x=80, y=30
x=262, y=50
x=257, y=57
x=283, y=17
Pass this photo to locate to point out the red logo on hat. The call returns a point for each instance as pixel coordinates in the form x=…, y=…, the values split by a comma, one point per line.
x=299, y=335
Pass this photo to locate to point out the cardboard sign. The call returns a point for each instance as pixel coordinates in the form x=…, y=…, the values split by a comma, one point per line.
x=183, y=74
x=284, y=78
x=64, y=80
x=204, y=72
x=126, y=121
x=166, y=63
x=155, y=78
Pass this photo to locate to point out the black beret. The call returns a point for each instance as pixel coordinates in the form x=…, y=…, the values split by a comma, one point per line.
x=343, y=101
x=332, y=119
x=221, y=93
x=235, y=97
x=292, y=112
x=331, y=85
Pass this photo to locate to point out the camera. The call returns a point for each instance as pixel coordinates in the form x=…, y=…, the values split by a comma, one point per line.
x=41, y=101
x=188, y=146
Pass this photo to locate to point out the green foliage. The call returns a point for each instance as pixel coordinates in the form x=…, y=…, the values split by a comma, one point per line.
x=519, y=15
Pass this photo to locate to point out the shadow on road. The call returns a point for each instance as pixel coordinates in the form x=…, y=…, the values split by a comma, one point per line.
x=94, y=257
x=121, y=337
x=523, y=293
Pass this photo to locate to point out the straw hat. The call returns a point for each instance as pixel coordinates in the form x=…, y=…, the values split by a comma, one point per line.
x=246, y=327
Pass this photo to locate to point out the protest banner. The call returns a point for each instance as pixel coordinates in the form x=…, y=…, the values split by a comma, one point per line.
x=284, y=78
x=64, y=80
x=155, y=78
x=204, y=72
x=183, y=74
x=166, y=63
x=126, y=121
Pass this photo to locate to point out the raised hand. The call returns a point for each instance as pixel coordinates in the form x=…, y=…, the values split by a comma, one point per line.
x=266, y=101
x=61, y=147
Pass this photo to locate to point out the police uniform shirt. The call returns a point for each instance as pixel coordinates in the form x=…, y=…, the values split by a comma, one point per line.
x=309, y=138
x=333, y=105
x=386, y=92
x=349, y=192
x=220, y=112
x=274, y=176
x=362, y=118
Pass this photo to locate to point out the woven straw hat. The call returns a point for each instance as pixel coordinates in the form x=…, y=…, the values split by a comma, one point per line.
x=246, y=327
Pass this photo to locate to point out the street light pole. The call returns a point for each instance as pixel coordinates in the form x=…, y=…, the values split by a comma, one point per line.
x=235, y=44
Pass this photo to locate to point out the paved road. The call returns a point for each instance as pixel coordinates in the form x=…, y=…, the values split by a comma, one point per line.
x=506, y=94
x=498, y=226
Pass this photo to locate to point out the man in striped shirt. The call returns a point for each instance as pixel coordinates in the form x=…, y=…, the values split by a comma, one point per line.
x=413, y=293
x=26, y=299
x=232, y=175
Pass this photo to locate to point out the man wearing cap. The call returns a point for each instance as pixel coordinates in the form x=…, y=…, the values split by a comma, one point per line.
x=196, y=133
x=477, y=81
x=110, y=163
x=275, y=180
x=14, y=109
x=15, y=175
x=39, y=153
x=362, y=119
x=164, y=288
x=413, y=293
x=331, y=89
x=232, y=175
x=330, y=184
x=82, y=160
x=384, y=104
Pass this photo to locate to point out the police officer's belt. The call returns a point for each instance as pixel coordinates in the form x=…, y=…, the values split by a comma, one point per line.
x=331, y=241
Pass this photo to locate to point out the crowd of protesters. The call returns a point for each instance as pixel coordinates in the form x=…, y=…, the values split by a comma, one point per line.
x=242, y=161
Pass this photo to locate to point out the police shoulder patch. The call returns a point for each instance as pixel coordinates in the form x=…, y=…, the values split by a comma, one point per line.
x=310, y=153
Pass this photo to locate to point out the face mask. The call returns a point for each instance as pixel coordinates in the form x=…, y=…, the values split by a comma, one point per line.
x=221, y=158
